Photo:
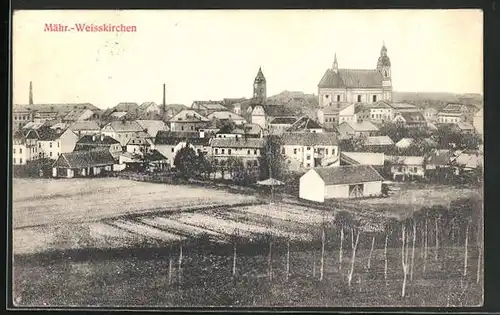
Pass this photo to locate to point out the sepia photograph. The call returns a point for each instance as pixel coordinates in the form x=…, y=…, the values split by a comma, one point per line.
x=247, y=158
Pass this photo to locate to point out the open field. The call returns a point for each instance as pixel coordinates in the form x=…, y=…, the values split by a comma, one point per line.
x=46, y=201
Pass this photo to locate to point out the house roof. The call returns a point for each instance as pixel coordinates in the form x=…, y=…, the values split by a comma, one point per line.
x=351, y=78
x=455, y=108
x=251, y=129
x=61, y=108
x=277, y=110
x=81, y=159
x=188, y=115
x=152, y=126
x=440, y=157
x=304, y=123
x=283, y=121
x=210, y=105
x=464, y=126
x=118, y=114
x=405, y=142
x=405, y=160
x=154, y=156
x=96, y=140
x=412, y=117
x=469, y=160
x=76, y=114
x=238, y=143
x=33, y=125
x=404, y=106
x=349, y=174
x=125, y=126
x=335, y=108
x=309, y=139
x=85, y=125
x=479, y=113
x=363, y=158
x=59, y=126
x=225, y=114
x=379, y=140
x=363, y=126
x=175, y=137
x=126, y=107
x=48, y=134
x=145, y=105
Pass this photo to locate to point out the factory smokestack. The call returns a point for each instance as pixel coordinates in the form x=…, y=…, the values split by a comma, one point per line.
x=31, y=94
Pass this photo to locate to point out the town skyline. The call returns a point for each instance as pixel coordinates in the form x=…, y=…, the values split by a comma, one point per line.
x=435, y=54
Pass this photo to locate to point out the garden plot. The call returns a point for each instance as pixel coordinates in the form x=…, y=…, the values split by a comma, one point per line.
x=283, y=213
x=229, y=227
x=147, y=231
x=188, y=229
x=31, y=240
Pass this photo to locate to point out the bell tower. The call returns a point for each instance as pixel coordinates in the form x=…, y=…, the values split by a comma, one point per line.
x=384, y=67
x=259, y=87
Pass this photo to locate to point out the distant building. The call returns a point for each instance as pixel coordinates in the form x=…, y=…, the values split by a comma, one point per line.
x=82, y=163
x=227, y=115
x=249, y=150
x=336, y=114
x=152, y=126
x=99, y=142
x=378, y=142
x=362, y=158
x=207, y=107
x=21, y=115
x=24, y=147
x=349, y=129
x=168, y=143
x=478, y=121
x=406, y=167
x=150, y=110
x=142, y=143
x=356, y=181
x=51, y=143
x=79, y=115
x=82, y=128
x=260, y=88
x=454, y=113
x=279, y=125
x=410, y=120
x=405, y=143
x=356, y=85
x=430, y=114
x=311, y=149
x=305, y=124
x=121, y=130
x=188, y=120
x=262, y=115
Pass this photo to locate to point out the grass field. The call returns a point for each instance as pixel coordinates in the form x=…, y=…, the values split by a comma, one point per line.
x=107, y=242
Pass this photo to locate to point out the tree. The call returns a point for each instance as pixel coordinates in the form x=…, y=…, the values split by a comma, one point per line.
x=272, y=162
x=390, y=227
x=342, y=221
x=188, y=163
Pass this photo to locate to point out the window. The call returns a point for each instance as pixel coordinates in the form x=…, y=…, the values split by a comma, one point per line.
x=308, y=164
x=308, y=148
x=338, y=98
x=326, y=151
x=182, y=128
x=14, y=160
x=222, y=151
x=255, y=152
x=400, y=169
x=20, y=150
x=308, y=157
x=14, y=150
x=199, y=151
x=385, y=73
x=50, y=154
x=58, y=153
x=415, y=169
x=248, y=152
x=58, y=144
x=359, y=98
x=172, y=150
x=229, y=151
x=283, y=151
x=294, y=151
x=374, y=98
x=327, y=96
x=191, y=127
x=216, y=151
x=373, y=115
x=50, y=144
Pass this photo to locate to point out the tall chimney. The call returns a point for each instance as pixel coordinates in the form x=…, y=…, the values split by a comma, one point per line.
x=31, y=93
x=164, y=99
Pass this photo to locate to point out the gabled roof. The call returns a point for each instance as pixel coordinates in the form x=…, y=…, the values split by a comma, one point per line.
x=277, y=110
x=404, y=106
x=304, y=123
x=209, y=105
x=405, y=142
x=154, y=156
x=225, y=114
x=309, y=139
x=145, y=105
x=96, y=140
x=363, y=126
x=406, y=160
x=380, y=104
x=335, y=108
x=62, y=108
x=118, y=114
x=152, y=126
x=455, y=108
x=239, y=143
x=48, y=134
x=138, y=140
x=126, y=107
x=349, y=174
x=412, y=117
x=464, y=126
x=283, y=121
x=188, y=115
x=479, y=113
x=175, y=137
x=33, y=125
x=251, y=129
x=81, y=159
x=125, y=126
x=351, y=78
x=379, y=140
x=76, y=114
x=469, y=160
x=440, y=157
x=85, y=125
x=363, y=158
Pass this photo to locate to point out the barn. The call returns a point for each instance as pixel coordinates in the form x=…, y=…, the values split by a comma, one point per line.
x=350, y=181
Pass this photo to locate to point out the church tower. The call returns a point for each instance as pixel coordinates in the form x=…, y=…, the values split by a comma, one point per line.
x=384, y=67
x=259, y=87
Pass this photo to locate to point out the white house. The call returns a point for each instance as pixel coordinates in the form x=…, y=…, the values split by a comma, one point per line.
x=336, y=114
x=352, y=181
x=406, y=167
x=227, y=115
x=121, y=130
x=405, y=143
x=24, y=147
x=311, y=149
x=52, y=144
x=249, y=150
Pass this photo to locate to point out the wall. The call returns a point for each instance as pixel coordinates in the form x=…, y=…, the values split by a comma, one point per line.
x=337, y=191
x=478, y=124
x=372, y=189
x=332, y=96
x=312, y=187
x=366, y=95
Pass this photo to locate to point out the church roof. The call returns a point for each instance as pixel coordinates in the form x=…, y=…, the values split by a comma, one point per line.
x=351, y=78
x=260, y=77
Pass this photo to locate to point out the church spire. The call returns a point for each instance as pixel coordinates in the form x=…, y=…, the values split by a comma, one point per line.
x=383, y=51
x=335, y=63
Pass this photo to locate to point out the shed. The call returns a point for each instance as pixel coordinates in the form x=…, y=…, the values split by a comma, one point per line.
x=83, y=163
x=352, y=181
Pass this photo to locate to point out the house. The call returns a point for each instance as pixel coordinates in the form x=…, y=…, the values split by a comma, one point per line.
x=478, y=121
x=168, y=143
x=464, y=127
x=439, y=159
x=82, y=163
x=350, y=181
x=156, y=161
x=249, y=150
x=205, y=108
x=311, y=149
x=279, y=125
x=362, y=158
x=406, y=167
x=152, y=126
x=305, y=124
x=99, y=142
x=188, y=120
x=227, y=115
x=82, y=128
x=121, y=130
x=51, y=143
x=430, y=114
x=150, y=110
x=405, y=143
x=123, y=110
x=381, y=112
x=140, y=143
x=21, y=115
x=24, y=147
x=79, y=115
x=262, y=115
x=33, y=125
x=58, y=127
x=378, y=141
x=453, y=113
x=410, y=119
x=356, y=85
x=362, y=112
x=48, y=111
x=349, y=129
x=246, y=130
x=336, y=114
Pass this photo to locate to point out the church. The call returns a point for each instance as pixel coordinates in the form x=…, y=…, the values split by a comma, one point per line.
x=356, y=85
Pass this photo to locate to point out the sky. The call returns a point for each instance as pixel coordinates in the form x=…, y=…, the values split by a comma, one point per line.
x=210, y=55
